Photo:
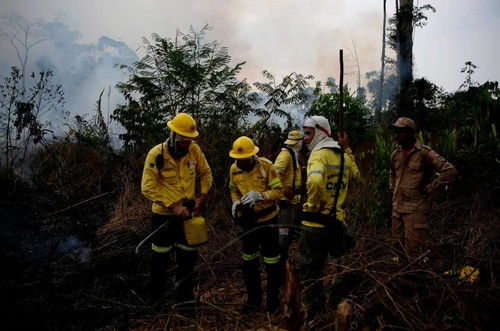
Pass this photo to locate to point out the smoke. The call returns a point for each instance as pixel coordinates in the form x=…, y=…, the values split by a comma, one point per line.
x=84, y=70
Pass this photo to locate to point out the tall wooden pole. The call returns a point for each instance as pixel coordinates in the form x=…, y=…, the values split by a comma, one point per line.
x=341, y=91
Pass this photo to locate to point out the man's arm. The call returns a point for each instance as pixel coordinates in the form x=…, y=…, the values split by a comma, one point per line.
x=445, y=171
x=204, y=171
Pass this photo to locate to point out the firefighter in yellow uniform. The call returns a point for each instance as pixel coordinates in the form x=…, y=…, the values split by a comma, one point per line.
x=255, y=188
x=168, y=180
x=288, y=168
x=330, y=168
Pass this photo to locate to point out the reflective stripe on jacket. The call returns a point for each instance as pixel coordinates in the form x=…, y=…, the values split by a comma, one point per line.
x=262, y=178
x=284, y=167
x=176, y=180
x=323, y=168
x=413, y=178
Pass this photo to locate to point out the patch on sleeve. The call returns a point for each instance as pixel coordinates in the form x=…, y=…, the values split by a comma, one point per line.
x=151, y=165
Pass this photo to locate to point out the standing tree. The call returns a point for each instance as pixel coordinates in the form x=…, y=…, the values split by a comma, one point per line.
x=185, y=75
x=10, y=92
x=401, y=39
x=181, y=75
x=291, y=91
x=356, y=119
x=404, y=35
x=378, y=105
x=23, y=35
x=26, y=115
x=469, y=70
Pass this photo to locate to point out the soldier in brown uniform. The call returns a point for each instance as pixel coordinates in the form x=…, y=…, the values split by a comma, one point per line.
x=417, y=174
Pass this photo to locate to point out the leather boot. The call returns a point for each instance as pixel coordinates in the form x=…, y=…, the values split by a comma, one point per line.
x=251, y=277
x=274, y=275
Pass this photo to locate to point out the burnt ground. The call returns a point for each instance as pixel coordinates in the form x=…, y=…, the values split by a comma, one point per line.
x=47, y=280
x=56, y=275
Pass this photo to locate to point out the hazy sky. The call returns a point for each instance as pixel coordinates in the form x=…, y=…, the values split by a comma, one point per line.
x=283, y=36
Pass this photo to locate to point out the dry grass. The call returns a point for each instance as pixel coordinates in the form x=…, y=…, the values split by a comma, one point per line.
x=382, y=294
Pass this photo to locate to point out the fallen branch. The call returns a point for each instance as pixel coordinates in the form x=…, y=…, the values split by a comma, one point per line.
x=81, y=203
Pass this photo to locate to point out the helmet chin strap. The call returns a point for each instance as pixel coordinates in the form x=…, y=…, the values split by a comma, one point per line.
x=173, y=148
x=246, y=165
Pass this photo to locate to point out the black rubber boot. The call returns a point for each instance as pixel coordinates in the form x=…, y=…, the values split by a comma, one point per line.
x=159, y=266
x=184, y=278
x=282, y=264
x=274, y=276
x=251, y=277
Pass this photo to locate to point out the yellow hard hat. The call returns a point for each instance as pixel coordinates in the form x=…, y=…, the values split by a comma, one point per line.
x=293, y=137
x=243, y=148
x=184, y=125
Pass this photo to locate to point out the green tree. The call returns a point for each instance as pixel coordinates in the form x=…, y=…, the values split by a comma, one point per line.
x=181, y=75
x=278, y=98
x=385, y=99
x=469, y=70
x=426, y=101
x=357, y=119
x=401, y=28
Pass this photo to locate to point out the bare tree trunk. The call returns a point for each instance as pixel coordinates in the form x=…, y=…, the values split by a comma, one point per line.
x=404, y=29
x=23, y=35
x=378, y=110
x=358, y=68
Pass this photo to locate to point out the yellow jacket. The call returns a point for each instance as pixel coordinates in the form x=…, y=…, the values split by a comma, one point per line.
x=176, y=181
x=284, y=167
x=322, y=175
x=262, y=178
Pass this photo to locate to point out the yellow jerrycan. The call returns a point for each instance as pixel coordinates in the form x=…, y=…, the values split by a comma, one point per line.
x=195, y=229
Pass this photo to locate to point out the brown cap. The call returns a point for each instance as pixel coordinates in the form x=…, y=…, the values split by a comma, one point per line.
x=404, y=122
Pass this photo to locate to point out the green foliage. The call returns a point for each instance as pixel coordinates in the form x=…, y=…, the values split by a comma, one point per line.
x=389, y=89
x=181, y=75
x=372, y=201
x=26, y=114
x=186, y=74
x=417, y=16
x=473, y=117
x=11, y=91
x=469, y=71
x=292, y=91
x=93, y=132
x=425, y=101
x=357, y=120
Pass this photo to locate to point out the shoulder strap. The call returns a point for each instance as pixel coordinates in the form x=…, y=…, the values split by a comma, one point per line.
x=159, y=159
x=339, y=181
x=294, y=161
